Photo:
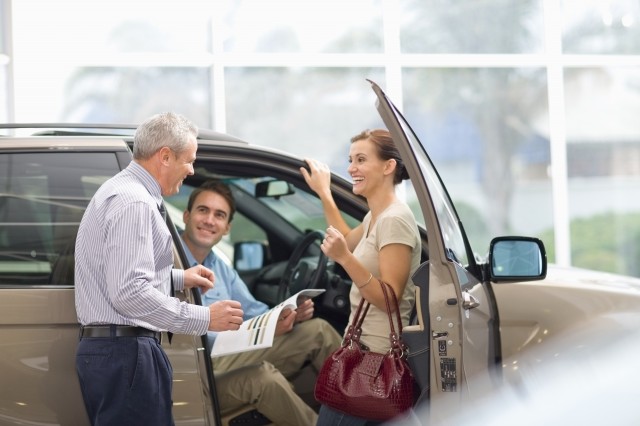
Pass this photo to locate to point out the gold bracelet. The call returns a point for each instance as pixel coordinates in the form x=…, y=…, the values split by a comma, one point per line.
x=366, y=282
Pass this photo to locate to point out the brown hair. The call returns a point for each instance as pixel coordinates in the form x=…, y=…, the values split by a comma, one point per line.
x=219, y=188
x=386, y=149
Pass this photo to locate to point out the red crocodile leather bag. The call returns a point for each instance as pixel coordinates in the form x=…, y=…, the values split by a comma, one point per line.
x=367, y=384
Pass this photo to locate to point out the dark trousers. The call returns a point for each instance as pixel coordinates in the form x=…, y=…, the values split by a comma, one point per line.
x=330, y=417
x=125, y=381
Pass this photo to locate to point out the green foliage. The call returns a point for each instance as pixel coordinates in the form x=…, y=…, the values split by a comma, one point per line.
x=607, y=242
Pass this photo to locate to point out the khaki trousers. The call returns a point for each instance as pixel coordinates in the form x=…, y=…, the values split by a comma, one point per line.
x=260, y=377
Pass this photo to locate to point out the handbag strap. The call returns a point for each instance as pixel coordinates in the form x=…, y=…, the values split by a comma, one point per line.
x=385, y=292
x=355, y=328
x=396, y=343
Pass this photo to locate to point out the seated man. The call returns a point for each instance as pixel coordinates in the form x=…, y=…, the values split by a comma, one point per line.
x=259, y=376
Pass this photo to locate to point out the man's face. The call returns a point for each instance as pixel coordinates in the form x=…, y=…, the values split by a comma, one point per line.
x=207, y=222
x=177, y=168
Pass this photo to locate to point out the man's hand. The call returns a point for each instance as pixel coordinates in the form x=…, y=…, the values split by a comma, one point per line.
x=285, y=321
x=305, y=311
x=225, y=315
x=199, y=276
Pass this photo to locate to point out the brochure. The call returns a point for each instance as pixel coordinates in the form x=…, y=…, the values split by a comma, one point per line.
x=258, y=332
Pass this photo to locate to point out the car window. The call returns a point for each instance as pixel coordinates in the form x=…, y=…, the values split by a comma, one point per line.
x=242, y=229
x=42, y=199
x=300, y=209
x=452, y=233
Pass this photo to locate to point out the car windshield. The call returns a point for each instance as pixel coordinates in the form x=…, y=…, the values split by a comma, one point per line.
x=299, y=208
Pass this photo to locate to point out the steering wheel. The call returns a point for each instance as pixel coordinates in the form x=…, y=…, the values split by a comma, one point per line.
x=299, y=275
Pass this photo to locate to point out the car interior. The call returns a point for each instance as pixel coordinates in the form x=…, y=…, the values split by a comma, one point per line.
x=276, y=257
x=274, y=245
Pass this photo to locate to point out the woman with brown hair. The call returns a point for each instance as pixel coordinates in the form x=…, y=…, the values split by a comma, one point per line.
x=385, y=247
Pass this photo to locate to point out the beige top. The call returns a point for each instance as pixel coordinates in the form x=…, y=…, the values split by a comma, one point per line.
x=395, y=224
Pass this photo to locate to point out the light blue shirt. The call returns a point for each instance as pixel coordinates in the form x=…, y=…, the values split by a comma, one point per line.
x=124, y=260
x=227, y=286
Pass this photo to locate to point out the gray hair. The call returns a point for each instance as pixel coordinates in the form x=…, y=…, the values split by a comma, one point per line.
x=166, y=129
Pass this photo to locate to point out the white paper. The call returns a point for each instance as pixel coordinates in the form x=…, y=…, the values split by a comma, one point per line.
x=258, y=332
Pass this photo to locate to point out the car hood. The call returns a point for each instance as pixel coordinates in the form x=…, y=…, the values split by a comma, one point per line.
x=585, y=278
x=569, y=302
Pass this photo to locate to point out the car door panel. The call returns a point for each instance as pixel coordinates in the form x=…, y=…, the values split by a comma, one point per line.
x=39, y=329
x=459, y=334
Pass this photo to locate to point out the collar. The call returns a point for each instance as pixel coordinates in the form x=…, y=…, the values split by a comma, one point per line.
x=209, y=260
x=148, y=181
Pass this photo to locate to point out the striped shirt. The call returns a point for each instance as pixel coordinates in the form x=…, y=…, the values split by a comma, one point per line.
x=124, y=260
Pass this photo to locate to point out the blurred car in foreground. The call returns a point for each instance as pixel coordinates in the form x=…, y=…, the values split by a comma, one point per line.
x=480, y=324
x=581, y=371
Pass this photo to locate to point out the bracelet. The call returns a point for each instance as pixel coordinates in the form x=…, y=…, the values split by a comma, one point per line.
x=366, y=282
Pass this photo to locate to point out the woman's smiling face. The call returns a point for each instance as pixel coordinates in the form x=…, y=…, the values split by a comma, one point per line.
x=365, y=167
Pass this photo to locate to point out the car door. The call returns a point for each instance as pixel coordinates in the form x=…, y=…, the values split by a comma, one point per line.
x=458, y=311
x=46, y=186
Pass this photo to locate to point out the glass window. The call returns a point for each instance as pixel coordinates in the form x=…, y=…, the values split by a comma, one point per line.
x=601, y=27
x=603, y=162
x=4, y=101
x=5, y=23
x=5, y=89
x=310, y=26
x=119, y=95
x=91, y=29
x=471, y=26
x=42, y=200
x=482, y=129
x=310, y=112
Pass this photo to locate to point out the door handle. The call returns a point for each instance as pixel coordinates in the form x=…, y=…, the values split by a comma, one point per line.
x=468, y=301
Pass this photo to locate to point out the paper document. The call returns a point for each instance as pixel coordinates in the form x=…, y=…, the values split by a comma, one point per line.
x=258, y=332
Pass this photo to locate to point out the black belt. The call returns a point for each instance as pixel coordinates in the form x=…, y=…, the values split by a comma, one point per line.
x=118, y=331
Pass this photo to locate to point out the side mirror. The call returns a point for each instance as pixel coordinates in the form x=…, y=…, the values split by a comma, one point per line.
x=249, y=255
x=517, y=259
x=273, y=189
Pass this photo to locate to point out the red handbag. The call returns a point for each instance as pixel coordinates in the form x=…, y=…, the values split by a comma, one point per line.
x=367, y=384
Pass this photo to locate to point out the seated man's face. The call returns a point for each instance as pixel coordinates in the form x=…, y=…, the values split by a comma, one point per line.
x=207, y=222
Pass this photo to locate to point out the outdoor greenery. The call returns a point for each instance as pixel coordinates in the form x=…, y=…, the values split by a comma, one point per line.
x=607, y=242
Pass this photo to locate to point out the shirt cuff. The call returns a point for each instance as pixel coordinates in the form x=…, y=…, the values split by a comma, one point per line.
x=177, y=276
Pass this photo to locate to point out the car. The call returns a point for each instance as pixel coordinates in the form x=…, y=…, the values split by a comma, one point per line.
x=473, y=312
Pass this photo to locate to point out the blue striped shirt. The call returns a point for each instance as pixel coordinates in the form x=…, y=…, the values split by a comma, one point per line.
x=124, y=260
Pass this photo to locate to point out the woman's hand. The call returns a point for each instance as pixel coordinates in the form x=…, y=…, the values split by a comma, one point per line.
x=334, y=245
x=319, y=180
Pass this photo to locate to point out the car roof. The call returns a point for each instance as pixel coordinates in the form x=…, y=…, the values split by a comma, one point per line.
x=111, y=136
x=98, y=129
x=61, y=143
x=84, y=135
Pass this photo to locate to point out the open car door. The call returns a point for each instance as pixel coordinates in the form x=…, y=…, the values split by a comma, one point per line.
x=455, y=335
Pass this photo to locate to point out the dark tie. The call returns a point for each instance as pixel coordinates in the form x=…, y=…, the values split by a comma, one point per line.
x=163, y=213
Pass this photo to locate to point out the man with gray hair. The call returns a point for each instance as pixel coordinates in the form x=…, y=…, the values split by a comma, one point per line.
x=124, y=275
